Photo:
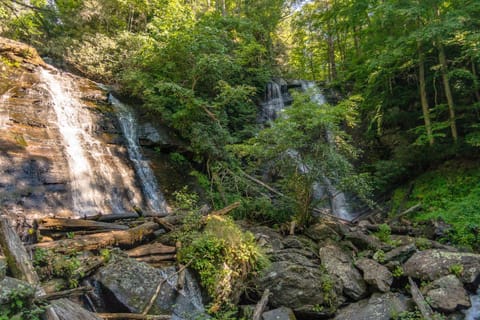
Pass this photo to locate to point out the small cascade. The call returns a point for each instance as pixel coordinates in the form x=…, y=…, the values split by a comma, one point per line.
x=154, y=197
x=4, y=118
x=100, y=182
x=474, y=312
x=273, y=103
x=338, y=200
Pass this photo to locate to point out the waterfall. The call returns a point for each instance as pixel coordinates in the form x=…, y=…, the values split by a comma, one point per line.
x=154, y=197
x=272, y=107
x=100, y=181
x=474, y=312
x=4, y=118
x=338, y=200
x=273, y=102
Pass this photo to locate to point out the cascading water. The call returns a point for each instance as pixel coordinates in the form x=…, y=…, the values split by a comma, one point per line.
x=100, y=182
x=271, y=109
x=154, y=197
x=4, y=118
x=474, y=312
x=273, y=102
x=340, y=207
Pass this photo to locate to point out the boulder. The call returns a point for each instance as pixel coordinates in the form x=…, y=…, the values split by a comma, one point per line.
x=67, y=310
x=447, y=294
x=365, y=242
x=321, y=232
x=400, y=254
x=340, y=266
x=378, y=307
x=267, y=238
x=133, y=283
x=9, y=285
x=298, y=286
x=375, y=274
x=281, y=313
x=432, y=264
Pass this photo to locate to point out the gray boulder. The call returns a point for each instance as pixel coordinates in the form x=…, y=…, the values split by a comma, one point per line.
x=447, y=294
x=433, y=264
x=321, y=232
x=375, y=274
x=365, y=242
x=297, y=286
x=378, y=307
x=134, y=283
x=281, y=313
x=340, y=265
x=9, y=285
x=400, y=254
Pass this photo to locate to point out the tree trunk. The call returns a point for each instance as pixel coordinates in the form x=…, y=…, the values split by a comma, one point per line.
x=97, y=241
x=423, y=94
x=448, y=92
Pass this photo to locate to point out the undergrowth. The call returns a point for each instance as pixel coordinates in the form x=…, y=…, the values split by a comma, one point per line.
x=450, y=193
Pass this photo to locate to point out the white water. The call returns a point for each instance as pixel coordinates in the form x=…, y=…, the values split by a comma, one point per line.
x=474, y=312
x=271, y=109
x=100, y=182
x=154, y=197
x=4, y=115
x=340, y=207
x=273, y=103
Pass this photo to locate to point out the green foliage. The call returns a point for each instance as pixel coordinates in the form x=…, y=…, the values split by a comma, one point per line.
x=451, y=193
x=423, y=243
x=225, y=258
x=21, y=306
x=379, y=256
x=456, y=269
x=408, y=315
x=398, y=272
x=49, y=264
x=384, y=232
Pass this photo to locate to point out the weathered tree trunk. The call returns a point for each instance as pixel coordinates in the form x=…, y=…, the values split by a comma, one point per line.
x=423, y=94
x=19, y=262
x=422, y=305
x=260, y=307
x=76, y=224
x=448, y=92
x=17, y=257
x=123, y=238
x=150, y=249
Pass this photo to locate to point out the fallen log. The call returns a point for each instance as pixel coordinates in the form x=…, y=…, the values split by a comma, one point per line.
x=156, y=259
x=150, y=249
x=408, y=211
x=261, y=305
x=121, y=238
x=76, y=224
x=75, y=292
x=423, y=306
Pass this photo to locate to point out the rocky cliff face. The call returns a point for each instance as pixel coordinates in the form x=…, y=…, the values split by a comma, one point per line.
x=35, y=175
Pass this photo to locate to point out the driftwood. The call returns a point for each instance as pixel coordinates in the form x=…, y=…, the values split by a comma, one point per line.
x=408, y=211
x=18, y=259
x=133, y=316
x=423, y=306
x=76, y=224
x=65, y=293
x=158, y=289
x=19, y=262
x=68, y=310
x=150, y=249
x=169, y=222
x=156, y=259
x=114, y=217
x=261, y=305
x=122, y=238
